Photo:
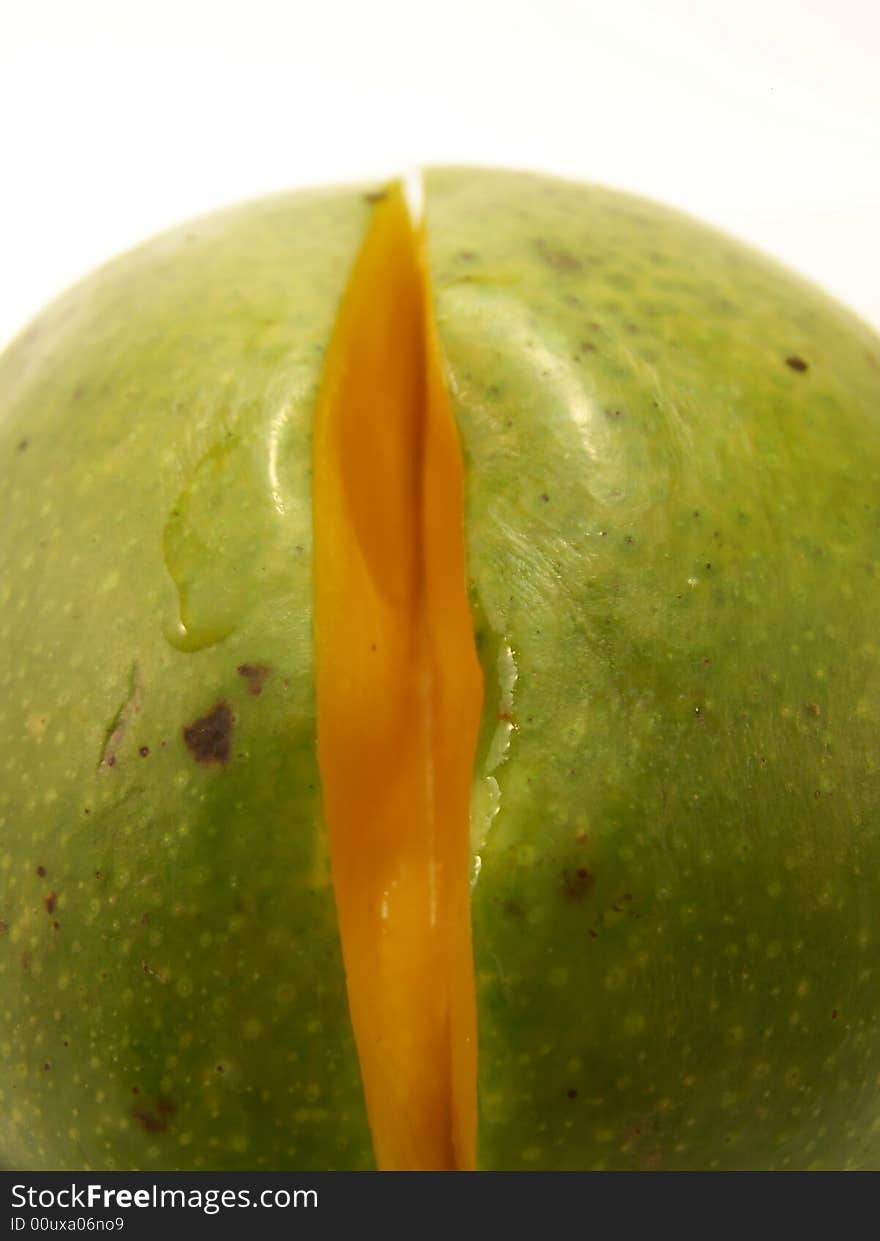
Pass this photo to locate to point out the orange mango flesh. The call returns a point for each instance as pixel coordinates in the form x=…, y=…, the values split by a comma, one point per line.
x=399, y=694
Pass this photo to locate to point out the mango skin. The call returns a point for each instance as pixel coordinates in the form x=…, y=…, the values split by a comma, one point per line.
x=189, y=1009
x=675, y=814
x=673, y=534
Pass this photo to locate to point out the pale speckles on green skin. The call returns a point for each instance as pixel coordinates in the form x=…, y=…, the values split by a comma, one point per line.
x=189, y=1008
x=679, y=536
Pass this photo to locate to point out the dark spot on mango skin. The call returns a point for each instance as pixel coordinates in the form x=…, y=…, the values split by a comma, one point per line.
x=50, y=902
x=4, y=926
x=375, y=196
x=796, y=363
x=21, y=446
x=144, y=751
x=41, y=871
x=255, y=675
x=577, y=884
x=208, y=738
x=154, y=1119
x=559, y=260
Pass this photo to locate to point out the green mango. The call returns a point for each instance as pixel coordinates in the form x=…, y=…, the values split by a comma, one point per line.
x=672, y=521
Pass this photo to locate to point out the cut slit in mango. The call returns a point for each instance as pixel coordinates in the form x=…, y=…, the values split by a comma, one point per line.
x=399, y=695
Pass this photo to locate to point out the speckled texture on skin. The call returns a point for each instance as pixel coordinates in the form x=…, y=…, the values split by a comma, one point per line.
x=673, y=531
x=672, y=522
x=182, y=1003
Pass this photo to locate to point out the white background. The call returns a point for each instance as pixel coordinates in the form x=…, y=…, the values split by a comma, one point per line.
x=119, y=118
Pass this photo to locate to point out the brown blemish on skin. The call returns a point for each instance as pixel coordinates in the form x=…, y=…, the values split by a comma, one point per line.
x=576, y=884
x=255, y=675
x=118, y=726
x=572, y=1094
x=814, y=709
x=796, y=363
x=21, y=446
x=144, y=751
x=50, y=902
x=154, y=1119
x=559, y=260
x=41, y=871
x=4, y=926
x=208, y=737
x=375, y=196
